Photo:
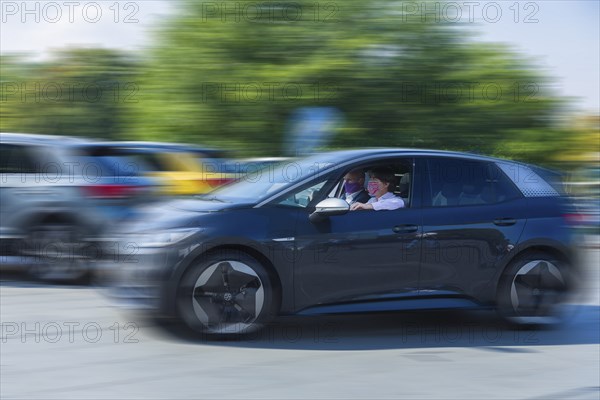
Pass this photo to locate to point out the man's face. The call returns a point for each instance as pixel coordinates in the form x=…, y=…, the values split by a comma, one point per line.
x=353, y=183
x=354, y=178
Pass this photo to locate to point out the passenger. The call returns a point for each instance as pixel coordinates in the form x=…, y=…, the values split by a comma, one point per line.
x=354, y=187
x=380, y=186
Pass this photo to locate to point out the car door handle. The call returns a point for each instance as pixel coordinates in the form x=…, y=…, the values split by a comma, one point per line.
x=505, y=221
x=405, y=228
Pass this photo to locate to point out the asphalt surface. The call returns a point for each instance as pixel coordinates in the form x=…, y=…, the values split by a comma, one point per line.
x=70, y=342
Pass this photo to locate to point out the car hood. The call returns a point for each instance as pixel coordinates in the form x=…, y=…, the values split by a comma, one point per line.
x=176, y=214
x=199, y=205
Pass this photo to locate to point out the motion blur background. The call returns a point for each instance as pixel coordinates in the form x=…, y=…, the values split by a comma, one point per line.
x=511, y=79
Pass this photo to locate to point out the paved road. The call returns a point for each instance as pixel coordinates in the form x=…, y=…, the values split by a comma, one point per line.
x=70, y=342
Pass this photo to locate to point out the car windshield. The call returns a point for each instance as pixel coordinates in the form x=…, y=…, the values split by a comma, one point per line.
x=261, y=183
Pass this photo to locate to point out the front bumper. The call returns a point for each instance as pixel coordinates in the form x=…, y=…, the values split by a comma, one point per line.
x=140, y=278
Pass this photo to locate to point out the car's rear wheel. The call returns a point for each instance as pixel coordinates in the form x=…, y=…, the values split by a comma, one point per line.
x=534, y=289
x=227, y=293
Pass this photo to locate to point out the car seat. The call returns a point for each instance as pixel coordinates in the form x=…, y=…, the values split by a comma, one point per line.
x=404, y=188
x=471, y=194
x=448, y=196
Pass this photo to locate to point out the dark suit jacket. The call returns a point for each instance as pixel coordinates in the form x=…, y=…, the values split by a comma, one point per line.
x=362, y=197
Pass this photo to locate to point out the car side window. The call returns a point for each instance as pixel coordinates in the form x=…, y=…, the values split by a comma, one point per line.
x=15, y=159
x=401, y=168
x=303, y=197
x=461, y=182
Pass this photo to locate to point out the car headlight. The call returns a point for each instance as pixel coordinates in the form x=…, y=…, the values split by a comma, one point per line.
x=164, y=238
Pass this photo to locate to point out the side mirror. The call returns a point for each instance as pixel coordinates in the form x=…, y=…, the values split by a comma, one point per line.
x=329, y=207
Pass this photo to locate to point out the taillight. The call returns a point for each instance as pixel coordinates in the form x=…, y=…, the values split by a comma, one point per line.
x=573, y=219
x=110, y=191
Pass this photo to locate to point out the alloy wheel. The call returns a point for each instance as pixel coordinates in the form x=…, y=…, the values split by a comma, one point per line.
x=228, y=297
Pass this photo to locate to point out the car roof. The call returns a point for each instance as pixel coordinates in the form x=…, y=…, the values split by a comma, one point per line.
x=159, y=146
x=264, y=159
x=31, y=138
x=340, y=155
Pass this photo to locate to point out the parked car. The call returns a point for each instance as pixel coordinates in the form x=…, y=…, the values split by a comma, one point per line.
x=586, y=191
x=252, y=165
x=57, y=198
x=182, y=169
x=475, y=232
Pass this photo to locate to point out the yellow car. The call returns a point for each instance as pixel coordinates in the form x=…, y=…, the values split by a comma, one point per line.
x=180, y=169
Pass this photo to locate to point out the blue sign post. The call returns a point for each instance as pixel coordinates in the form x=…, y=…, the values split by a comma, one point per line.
x=310, y=128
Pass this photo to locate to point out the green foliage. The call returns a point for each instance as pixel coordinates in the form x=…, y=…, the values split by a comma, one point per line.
x=79, y=92
x=220, y=76
x=230, y=74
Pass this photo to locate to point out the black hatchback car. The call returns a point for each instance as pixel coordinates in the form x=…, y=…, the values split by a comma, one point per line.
x=473, y=231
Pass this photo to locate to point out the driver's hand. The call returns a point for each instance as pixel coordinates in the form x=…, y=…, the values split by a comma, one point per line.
x=358, y=206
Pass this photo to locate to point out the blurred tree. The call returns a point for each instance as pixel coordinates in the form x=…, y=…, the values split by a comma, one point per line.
x=582, y=141
x=571, y=143
x=77, y=92
x=230, y=73
x=12, y=111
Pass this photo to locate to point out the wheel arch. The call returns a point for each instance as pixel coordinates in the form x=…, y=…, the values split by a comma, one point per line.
x=52, y=217
x=60, y=215
x=178, y=274
x=554, y=249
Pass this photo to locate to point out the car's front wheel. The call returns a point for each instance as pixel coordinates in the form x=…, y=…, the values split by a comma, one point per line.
x=227, y=293
x=57, y=252
x=533, y=290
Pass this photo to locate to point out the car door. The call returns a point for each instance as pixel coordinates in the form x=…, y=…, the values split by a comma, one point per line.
x=473, y=217
x=358, y=256
x=20, y=188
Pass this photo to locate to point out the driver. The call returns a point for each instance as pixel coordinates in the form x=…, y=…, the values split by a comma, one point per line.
x=354, y=187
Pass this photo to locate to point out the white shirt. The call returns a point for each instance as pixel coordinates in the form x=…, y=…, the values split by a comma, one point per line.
x=386, y=202
x=351, y=196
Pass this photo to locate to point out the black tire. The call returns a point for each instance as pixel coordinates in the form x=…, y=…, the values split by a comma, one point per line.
x=533, y=290
x=58, y=255
x=227, y=294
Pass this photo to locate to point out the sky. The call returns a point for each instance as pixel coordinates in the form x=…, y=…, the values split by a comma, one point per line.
x=562, y=37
